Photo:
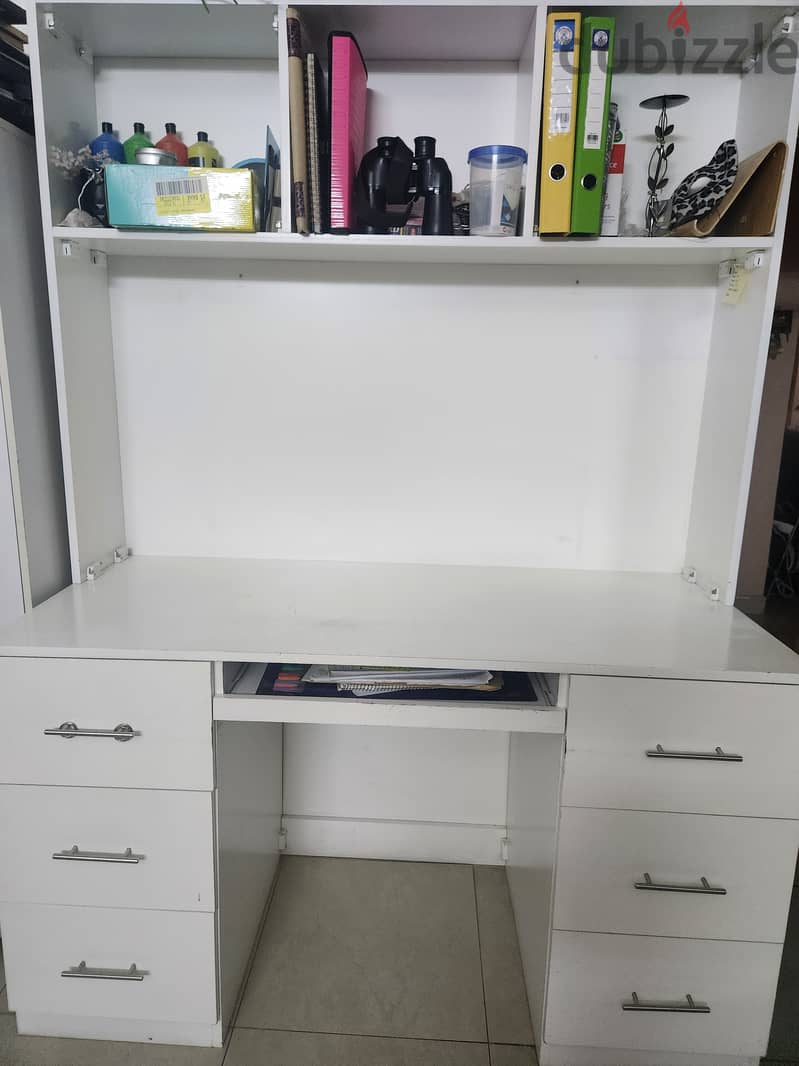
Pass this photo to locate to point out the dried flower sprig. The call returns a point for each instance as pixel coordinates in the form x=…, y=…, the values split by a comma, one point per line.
x=72, y=163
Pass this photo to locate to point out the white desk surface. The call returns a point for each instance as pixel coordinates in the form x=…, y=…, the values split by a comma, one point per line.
x=559, y=621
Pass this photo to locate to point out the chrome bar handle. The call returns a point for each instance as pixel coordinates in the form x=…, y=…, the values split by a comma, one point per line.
x=665, y=1007
x=659, y=752
x=68, y=730
x=76, y=855
x=704, y=888
x=97, y=973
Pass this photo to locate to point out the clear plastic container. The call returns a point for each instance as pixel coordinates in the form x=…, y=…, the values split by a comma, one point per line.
x=495, y=180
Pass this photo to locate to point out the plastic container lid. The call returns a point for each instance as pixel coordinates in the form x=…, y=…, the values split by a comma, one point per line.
x=502, y=155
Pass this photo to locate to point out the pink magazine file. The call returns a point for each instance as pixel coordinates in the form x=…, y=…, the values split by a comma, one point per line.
x=347, y=82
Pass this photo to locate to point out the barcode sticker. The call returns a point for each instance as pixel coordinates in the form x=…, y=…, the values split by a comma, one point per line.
x=182, y=196
x=561, y=120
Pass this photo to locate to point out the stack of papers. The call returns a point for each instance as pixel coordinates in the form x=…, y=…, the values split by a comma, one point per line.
x=375, y=681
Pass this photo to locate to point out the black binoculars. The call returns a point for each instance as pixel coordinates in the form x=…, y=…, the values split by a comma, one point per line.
x=392, y=178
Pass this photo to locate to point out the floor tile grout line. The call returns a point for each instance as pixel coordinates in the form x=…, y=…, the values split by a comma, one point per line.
x=480, y=953
x=368, y=1036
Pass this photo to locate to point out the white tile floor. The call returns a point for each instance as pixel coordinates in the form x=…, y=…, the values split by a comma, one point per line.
x=361, y=963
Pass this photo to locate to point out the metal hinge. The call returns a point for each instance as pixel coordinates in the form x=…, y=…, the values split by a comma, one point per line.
x=691, y=576
x=785, y=27
x=99, y=566
x=504, y=846
x=48, y=20
x=749, y=262
x=282, y=840
x=93, y=570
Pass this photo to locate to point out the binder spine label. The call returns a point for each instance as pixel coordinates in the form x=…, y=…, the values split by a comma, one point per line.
x=561, y=98
x=595, y=116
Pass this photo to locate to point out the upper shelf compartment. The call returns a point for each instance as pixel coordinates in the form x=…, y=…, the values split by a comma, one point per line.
x=462, y=73
x=717, y=34
x=156, y=63
x=169, y=30
x=428, y=32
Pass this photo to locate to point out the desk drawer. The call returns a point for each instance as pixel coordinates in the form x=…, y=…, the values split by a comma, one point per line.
x=614, y=721
x=602, y=855
x=174, y=952
x=167, y=704
x=593, y=974
x=171, y=834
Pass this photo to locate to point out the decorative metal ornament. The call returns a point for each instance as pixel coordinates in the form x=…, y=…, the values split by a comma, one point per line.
x=657, y=176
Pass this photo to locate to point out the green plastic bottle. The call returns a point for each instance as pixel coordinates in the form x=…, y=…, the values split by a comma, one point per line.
x=139, y=139
x=203, y=154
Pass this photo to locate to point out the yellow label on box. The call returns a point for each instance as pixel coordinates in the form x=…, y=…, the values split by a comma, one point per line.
x=182, y=196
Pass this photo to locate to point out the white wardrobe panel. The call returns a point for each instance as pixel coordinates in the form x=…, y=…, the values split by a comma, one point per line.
x=11, y=601
x=28, y=380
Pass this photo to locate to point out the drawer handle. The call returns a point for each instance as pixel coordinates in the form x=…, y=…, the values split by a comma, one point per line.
x=703, y=888
x=68, y=730
x=98, y=974
x=664, y=1007
x=76, y=855
x=659, y=752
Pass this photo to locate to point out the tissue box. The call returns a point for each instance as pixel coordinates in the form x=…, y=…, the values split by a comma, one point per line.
x=185, y=198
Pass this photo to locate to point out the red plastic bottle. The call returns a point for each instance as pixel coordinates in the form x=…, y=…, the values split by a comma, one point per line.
x=172, y=143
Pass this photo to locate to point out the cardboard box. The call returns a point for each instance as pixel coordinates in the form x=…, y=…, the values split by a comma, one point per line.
x=183, y=198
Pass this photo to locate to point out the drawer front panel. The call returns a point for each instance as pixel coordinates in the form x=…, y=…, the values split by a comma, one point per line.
x=593, y=974
x=174, y=951
x=614, y=721
x=168, y=704
x=602, y=855
x=170, y=833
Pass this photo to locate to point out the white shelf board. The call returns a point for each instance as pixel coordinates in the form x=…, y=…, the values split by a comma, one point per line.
x=357, y=248
x=493, y=32
x=442, y=714
x=486, y=32
x=170, y=30
x=373, y=614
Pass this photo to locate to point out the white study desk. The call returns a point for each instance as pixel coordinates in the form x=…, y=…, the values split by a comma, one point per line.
x=558, y=621
x=668, y=753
